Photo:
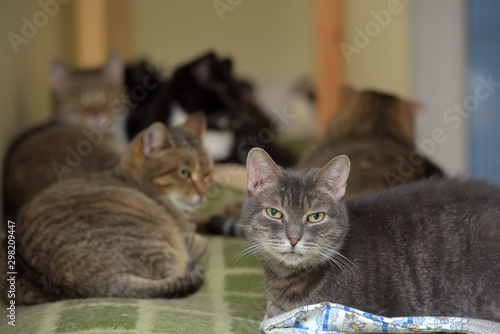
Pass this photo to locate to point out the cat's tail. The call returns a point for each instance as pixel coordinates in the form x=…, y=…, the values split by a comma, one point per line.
x=175, y=286
x=227, y=226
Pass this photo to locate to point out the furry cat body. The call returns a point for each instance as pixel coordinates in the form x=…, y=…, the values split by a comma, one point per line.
x=85, y=134
x=376, y=131
x=123, y=232
x=426, y=248
x=36, y=161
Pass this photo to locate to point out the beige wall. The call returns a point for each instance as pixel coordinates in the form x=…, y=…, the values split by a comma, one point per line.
x=386, y=62
x=269, y=40
x=24, y=92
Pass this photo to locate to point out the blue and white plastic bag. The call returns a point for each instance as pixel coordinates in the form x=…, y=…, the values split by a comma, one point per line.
x=331, y=318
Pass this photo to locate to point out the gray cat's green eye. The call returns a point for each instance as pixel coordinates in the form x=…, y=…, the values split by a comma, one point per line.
x=185, y=173
x=316, y=217
x=273, y=213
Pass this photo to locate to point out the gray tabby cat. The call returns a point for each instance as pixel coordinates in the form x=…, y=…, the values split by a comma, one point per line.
x=119, y=233
x=428, y=248
x=85, y=133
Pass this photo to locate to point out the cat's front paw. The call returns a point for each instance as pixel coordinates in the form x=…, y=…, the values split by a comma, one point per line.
x=273, y=310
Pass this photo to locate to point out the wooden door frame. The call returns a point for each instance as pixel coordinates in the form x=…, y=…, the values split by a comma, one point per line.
x=100, y=28
x=328, y=30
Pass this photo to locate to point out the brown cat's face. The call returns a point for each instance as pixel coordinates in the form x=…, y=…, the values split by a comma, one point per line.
x=88, y=97
x=171, y=165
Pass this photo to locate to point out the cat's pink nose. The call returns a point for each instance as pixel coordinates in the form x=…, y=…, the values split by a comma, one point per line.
x=293, y=241
x=202, y=194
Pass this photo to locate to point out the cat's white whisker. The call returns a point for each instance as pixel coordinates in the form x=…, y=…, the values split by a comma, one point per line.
x=340, y=260
x=250, y=248
x=331, y=259
x=245, y=252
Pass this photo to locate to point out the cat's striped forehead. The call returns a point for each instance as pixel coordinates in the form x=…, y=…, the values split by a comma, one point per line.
x=188, y=154
x=296, y=189
x=194, y=146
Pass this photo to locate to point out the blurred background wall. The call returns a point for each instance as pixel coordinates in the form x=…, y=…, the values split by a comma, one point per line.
x=385, y=63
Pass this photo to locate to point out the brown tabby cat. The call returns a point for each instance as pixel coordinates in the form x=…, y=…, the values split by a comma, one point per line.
x=123, y=232
x=376, y=131
x=84, y=135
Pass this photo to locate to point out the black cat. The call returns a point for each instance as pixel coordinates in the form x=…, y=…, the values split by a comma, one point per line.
x=205, y=84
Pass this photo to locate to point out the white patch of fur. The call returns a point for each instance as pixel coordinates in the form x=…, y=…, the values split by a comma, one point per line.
x=218, y=143
x=178, y=115
x=183, y=203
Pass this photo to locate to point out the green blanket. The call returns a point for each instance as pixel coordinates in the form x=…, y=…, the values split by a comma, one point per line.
x=232, y=300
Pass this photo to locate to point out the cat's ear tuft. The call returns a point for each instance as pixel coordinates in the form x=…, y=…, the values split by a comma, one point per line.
x=262, y=170
x=59, y=76
x=334, y=176
x=196, y=123
x=115, y=69
x=156, y=139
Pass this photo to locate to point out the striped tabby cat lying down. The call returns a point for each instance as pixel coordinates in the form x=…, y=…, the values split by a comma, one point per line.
x=122, y=232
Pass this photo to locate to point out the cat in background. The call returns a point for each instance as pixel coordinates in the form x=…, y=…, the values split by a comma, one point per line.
x=376, y=131
x=122, y=232
x=85, y=134
x=206, y=84
x=426, y=248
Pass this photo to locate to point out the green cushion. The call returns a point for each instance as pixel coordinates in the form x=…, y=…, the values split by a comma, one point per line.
x=232, y=300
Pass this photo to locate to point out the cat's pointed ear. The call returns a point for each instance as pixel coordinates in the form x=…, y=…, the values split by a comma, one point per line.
x=59, y=75
x=333, y=176
x=156, y=139
x=262, y=170
x=203, y=68
x=114, y=69
x=196, y=123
